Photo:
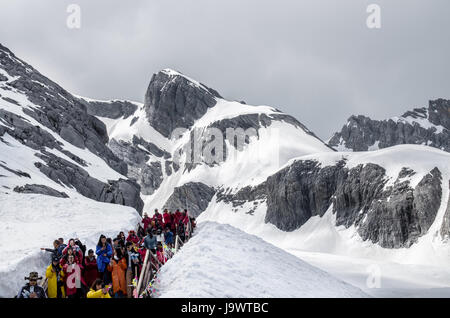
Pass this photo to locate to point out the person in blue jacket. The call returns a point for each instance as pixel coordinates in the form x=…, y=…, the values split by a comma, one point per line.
x=104, y=253
x=168, y=235
x=150, y=241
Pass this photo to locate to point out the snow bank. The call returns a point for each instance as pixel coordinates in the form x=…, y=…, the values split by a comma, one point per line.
x=31, y=221
x=222, y=261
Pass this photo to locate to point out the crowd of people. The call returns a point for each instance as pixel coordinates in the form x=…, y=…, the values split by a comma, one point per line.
x=112, y=269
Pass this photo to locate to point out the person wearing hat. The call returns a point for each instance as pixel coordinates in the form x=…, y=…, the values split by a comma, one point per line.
x=32, y=289
x=55, y=279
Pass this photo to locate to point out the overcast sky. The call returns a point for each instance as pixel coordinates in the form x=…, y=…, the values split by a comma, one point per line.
x=314, y=59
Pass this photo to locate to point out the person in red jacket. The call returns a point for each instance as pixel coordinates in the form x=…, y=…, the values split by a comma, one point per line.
x=174, y=223
x=146, y=221
x=69, y=251
x=74, y=281
x=185, y=217
x=132, y=237
x=158, y=218
x=167, y=219
x=90, y=269
x=177, y=217
x=162, y=258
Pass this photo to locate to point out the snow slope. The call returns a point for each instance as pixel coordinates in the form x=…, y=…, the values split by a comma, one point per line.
x=222, y=261
x=275, y=145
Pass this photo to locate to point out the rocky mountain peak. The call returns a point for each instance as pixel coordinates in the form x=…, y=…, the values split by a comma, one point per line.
x=424, y=126
x=174, y=100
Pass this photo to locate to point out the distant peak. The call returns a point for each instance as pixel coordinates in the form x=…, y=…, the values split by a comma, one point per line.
x=171, y=73
x=175, y=100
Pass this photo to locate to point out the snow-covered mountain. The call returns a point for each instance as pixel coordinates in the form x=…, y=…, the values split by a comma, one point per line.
x=253, y=167
x=160, y=161
x=421, y=126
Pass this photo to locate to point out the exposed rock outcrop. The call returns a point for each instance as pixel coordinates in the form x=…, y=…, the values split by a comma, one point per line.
x=393, y=216
x=61, y=171
x=428, y=126
x=195, y=196
x=123, y=192
x=147, y=174
x=32, y=136
x=40, y=189
x=114, y=109
x=445, y=228
x=58, y=110
x=174, y=101
x=301, y=191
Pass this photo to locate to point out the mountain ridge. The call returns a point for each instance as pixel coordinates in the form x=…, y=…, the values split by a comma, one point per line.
x=429, y=126
x=273, y=173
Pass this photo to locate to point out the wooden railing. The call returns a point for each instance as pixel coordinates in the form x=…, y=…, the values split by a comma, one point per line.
x=147, y=272
x=44, y=284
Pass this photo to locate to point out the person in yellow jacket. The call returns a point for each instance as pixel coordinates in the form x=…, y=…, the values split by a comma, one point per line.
x=98, y=290
x=55, y=283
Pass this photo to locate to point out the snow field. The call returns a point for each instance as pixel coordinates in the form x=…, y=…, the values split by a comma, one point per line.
x=222, y=261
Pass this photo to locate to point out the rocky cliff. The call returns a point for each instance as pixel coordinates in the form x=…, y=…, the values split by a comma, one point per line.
x=40, y=115
x=422, y=126
x=176, y=101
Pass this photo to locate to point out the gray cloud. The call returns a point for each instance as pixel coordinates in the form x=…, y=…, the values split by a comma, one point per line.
x=314, y=59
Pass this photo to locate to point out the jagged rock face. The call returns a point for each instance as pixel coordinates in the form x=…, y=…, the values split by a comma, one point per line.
x=18, y=173
x=361, y=132
x=173, y=101
x=65, y=173
x=445, y=228
x=439, y=112
x=151, y=148
x=114, y=109
x=59, y=110
x=246, y=194
x=196, y=194
x=124, y=192
x=256, y=195
x=40, y=189
x=393, y=216
x=31, y=136
x=299, y=192
x=147, y=174
x=360, y=186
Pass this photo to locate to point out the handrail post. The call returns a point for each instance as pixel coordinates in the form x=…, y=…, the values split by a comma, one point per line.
x=138, y=287
x=176, y=243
